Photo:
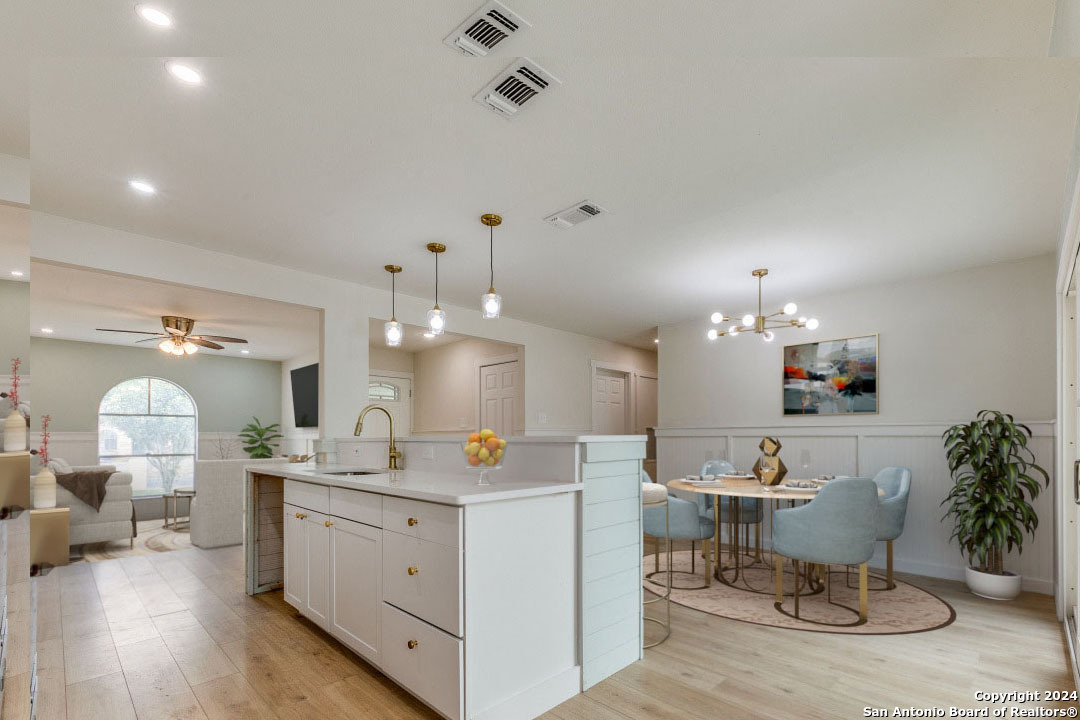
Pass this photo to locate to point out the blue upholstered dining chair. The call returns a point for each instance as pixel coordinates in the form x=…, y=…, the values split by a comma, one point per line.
x=751, y=510
x=894, y=484
x=838, y=527
x=684, y=523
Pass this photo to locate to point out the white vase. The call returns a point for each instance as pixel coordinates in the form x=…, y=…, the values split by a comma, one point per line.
x=993, y=587
x=14, y=432
x=45, y=489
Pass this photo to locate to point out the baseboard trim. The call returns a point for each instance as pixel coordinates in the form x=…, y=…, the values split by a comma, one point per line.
x=537, y=700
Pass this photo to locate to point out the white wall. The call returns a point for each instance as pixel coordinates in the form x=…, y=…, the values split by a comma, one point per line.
x=446, y=385
x=296, y=440
x=385, y=358
x=949, y=346
x=14, y=179
x=556, y=362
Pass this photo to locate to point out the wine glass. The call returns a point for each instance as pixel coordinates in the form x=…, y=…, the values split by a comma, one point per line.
x=804, y=462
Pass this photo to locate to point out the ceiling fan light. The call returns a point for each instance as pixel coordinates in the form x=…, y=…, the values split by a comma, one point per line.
x=392, y=332
x=166, y=346
x=491, y=304
x=189, y=347
x=436, y=321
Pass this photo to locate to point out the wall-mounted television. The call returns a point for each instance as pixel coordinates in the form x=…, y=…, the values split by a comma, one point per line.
x=305, y=396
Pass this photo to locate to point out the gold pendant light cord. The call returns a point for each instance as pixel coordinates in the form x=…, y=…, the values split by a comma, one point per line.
x=436, y=279
x=393, y=296
x=491, y=252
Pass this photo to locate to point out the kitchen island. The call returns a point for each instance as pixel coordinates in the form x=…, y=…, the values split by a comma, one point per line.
x=466, y=595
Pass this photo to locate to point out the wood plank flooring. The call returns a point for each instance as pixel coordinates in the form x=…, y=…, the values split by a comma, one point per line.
x=173, y=635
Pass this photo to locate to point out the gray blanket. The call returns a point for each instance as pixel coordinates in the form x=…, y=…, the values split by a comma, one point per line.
x=87, y=485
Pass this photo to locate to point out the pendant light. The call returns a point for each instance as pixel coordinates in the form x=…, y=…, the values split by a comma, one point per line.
x=491, y=302
x=436, y=318
x=392, y=329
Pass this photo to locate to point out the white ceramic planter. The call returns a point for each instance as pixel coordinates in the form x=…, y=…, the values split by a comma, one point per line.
x=14, y=432
x=44, y=489
x=994, y=587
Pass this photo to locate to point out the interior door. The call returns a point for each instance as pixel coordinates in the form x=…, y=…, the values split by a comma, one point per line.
x=499, y=396
x=610, y=402
x=646, y=404
x=395, y=394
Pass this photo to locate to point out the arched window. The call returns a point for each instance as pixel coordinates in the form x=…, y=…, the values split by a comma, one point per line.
x=148, y=427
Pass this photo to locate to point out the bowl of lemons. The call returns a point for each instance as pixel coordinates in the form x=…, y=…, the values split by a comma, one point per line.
x=484, y=451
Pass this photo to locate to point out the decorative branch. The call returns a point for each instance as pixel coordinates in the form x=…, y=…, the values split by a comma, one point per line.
x=43, y=451
x=13, y=394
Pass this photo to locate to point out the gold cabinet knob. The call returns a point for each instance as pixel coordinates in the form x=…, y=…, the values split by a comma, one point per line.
x=413, y=644
x=413, y=521
x=298, y=516
x=413, y=570
x=328, y=523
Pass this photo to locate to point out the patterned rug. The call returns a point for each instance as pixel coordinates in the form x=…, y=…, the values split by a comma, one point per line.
x=152, y=539
x=905, y=609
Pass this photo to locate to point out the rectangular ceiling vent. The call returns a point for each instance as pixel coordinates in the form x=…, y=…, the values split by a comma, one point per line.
x=485, y=29
x=511, y=89
x=575, y=215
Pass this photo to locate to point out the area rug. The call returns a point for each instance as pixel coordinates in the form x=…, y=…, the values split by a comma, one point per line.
x=152, y=539
x=905, y=609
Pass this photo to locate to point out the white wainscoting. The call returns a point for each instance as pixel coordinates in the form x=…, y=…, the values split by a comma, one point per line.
x=924, y=548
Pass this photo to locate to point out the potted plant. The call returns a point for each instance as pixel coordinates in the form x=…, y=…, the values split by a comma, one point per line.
x=259, y=440
x=995, y=478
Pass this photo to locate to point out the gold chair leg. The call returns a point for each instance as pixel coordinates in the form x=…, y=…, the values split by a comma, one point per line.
x=656, y=553
x=778, y=566
x=889, y=582
x=862, y=592
x=708, y=562
x=693, y=558
x=795, y=566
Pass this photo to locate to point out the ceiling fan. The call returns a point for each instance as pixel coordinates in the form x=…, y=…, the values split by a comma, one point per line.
x=177, y=338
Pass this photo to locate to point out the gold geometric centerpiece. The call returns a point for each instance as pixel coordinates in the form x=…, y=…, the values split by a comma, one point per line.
x=769, y=469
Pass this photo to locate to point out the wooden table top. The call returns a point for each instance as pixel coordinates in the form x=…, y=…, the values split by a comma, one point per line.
x=749, y=490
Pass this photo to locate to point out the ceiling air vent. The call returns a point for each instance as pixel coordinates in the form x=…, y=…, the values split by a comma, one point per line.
x=485, y=29
x=511, y=89
x=577, y=213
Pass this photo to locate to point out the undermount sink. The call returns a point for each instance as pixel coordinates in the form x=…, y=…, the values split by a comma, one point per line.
x=354, y=472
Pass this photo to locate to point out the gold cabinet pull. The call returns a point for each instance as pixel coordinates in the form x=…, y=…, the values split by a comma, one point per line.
x=298, y=516
x=413, y=644
x=328, y=523
x=413, y=570
x=413, y=521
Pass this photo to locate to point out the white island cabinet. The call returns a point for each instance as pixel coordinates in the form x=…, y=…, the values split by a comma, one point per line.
x=471, y=604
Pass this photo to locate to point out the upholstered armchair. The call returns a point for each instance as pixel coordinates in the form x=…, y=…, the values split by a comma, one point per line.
x=751, y=510
x=684, y=523
x=838, y=527
x=894, y=484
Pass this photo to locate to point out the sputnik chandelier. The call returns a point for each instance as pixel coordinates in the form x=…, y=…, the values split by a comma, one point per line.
x=761, y=323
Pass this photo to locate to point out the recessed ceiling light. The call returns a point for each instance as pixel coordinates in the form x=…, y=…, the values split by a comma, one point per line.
x=245, y=352
x=17, y=273
x=429, y=335
x=656, y=340
x=184, y=73
x=47, y=331
x=142, y=186
x=153, y=16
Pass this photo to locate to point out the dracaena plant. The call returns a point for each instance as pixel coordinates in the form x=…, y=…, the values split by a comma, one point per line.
x=995, y=478
x=260, y=440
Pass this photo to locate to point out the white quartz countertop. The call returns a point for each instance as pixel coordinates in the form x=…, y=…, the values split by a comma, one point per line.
x=516, y=439
x=439, y=487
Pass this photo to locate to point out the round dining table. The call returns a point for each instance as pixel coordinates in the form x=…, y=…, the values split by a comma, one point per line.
x=734, y=491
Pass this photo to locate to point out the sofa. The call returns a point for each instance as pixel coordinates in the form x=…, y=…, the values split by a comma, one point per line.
x=112, y=521
x=217, y=510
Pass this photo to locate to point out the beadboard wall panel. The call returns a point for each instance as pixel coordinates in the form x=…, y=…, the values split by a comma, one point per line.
x=925, y=547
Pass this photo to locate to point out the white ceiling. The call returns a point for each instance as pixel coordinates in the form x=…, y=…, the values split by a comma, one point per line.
x=14, y=242
x=73, y=302
x=341, y=139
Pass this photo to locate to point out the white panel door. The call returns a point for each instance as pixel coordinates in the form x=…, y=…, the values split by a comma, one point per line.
x=395, y=394
x=295, y=557
x=609, y=402
x=356, y=585
x=499, y=397
x=317, y=550
x=646, y=404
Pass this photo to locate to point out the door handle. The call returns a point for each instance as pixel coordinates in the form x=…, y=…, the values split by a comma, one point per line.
x=414, y=570
x=413, y=521
x=413, y=643
x=328, y=523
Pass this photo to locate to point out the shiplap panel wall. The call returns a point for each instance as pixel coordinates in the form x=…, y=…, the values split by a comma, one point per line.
x=924, y=548
x=610, y=558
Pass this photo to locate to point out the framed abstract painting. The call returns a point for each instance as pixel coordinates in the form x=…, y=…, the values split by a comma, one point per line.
x=832, y=377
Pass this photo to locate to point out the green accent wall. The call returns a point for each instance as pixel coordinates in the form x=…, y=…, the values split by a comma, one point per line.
x=70, y=378
x=14, y=325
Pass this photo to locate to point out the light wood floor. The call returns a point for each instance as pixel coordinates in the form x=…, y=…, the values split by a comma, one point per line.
x=174, y=636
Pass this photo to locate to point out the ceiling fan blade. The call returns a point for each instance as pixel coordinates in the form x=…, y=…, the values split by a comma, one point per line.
x=137, y=332
x=157, y=338
x=220, y=338
x=174, y=331
x=205, y=343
